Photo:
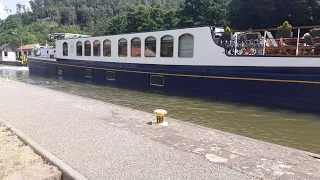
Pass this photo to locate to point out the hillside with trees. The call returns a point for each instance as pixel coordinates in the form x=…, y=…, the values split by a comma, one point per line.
x=103, y=17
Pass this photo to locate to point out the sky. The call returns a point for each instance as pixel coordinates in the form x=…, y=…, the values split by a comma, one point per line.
x=11, y=4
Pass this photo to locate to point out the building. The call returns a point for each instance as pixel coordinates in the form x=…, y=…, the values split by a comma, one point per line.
x=7, y=53
x=27, y=49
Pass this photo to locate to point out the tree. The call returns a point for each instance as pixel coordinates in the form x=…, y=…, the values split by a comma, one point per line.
x=13, y=22
x=139, y=19
x=68, y=15
x=117, y=24
x=202, y=13
x=244, y=14
x=85, y=15
x=18, y=8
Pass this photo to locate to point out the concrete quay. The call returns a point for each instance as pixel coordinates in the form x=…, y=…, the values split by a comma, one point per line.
x=106, y=141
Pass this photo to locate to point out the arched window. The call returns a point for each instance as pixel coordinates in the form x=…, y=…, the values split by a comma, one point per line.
x=136, y=47
x=150, y=47
x=186, y=45
x=107, y=48
x=123, y=48
x=167, y=46
x=79, y=48
x=96, y=48
x=87, y=48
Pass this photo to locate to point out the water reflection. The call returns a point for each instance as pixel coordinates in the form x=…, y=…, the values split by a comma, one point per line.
x=297, y=130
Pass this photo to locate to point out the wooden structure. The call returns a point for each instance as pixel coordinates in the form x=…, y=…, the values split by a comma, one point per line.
x=301, y=43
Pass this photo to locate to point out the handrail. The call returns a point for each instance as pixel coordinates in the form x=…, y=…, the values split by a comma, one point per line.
x=240, y=44
x=273, y=29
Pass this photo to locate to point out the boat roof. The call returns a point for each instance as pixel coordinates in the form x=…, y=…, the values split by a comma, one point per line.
x=177, y=29
x=58, y=36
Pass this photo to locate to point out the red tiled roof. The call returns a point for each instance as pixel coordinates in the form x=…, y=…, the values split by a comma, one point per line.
x=27, y=46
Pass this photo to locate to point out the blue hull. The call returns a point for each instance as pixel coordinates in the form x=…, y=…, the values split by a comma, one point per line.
x=284, y=87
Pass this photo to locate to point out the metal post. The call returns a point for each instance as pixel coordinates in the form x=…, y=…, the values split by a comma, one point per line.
x=264, y=42
x=297, y=51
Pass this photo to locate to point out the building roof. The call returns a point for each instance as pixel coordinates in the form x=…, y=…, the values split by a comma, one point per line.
x=6, y=45
x=28, y=46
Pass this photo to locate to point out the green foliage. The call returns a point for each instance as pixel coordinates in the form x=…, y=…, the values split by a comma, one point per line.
x=286, y=25
x=117, y=24
x=143, y=18
x=203, y=13
x=244, y=14
x=87, y=17
x=227, y=29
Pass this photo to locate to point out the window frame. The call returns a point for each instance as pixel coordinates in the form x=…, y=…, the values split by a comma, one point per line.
x=78, y=54
x=151, y=75
x=103, y=49
x=113, y=73
x=98, y=49
x=85, y=49
x=145, y=45
x=192, y=46
x=85, y=70
x=132, y=46
x=60, y=71
x=120, y=46
x=161, y=41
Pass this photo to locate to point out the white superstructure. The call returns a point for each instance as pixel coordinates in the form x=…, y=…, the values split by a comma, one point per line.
x=192, y=46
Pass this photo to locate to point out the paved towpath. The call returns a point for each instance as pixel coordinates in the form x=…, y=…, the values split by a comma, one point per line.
x=105, y=141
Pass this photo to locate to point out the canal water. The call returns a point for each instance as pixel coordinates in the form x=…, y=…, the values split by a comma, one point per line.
x=296, y=130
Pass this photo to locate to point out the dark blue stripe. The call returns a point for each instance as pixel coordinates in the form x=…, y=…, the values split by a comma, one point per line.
x=283, y=73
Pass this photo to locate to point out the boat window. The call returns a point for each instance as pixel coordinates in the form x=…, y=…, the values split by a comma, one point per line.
x=111, y=76
x=79, y=48
x=186, y=44
x=60, y=71
x=156, y=80
x=107, y=48
x=123, y=48
x=136, y=47
x=87, y=48
x=96, y=48
x=167, y=46
x=150, y=47
x=87, y=73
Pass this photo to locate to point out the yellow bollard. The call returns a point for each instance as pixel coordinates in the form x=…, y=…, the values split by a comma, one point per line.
x=24, y=60
x=160, y=113
x=7, y=78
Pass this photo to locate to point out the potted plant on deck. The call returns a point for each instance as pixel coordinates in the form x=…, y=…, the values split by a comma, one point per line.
x=284, y=31
x=226, y=34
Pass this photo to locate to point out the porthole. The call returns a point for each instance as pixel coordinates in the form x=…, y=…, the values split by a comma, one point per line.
x=156, y=80
x=111, y=76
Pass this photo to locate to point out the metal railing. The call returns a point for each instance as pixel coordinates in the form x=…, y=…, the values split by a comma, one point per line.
x=261, y=42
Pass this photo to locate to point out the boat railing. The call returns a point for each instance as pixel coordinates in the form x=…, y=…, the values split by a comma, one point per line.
x=297, y=41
